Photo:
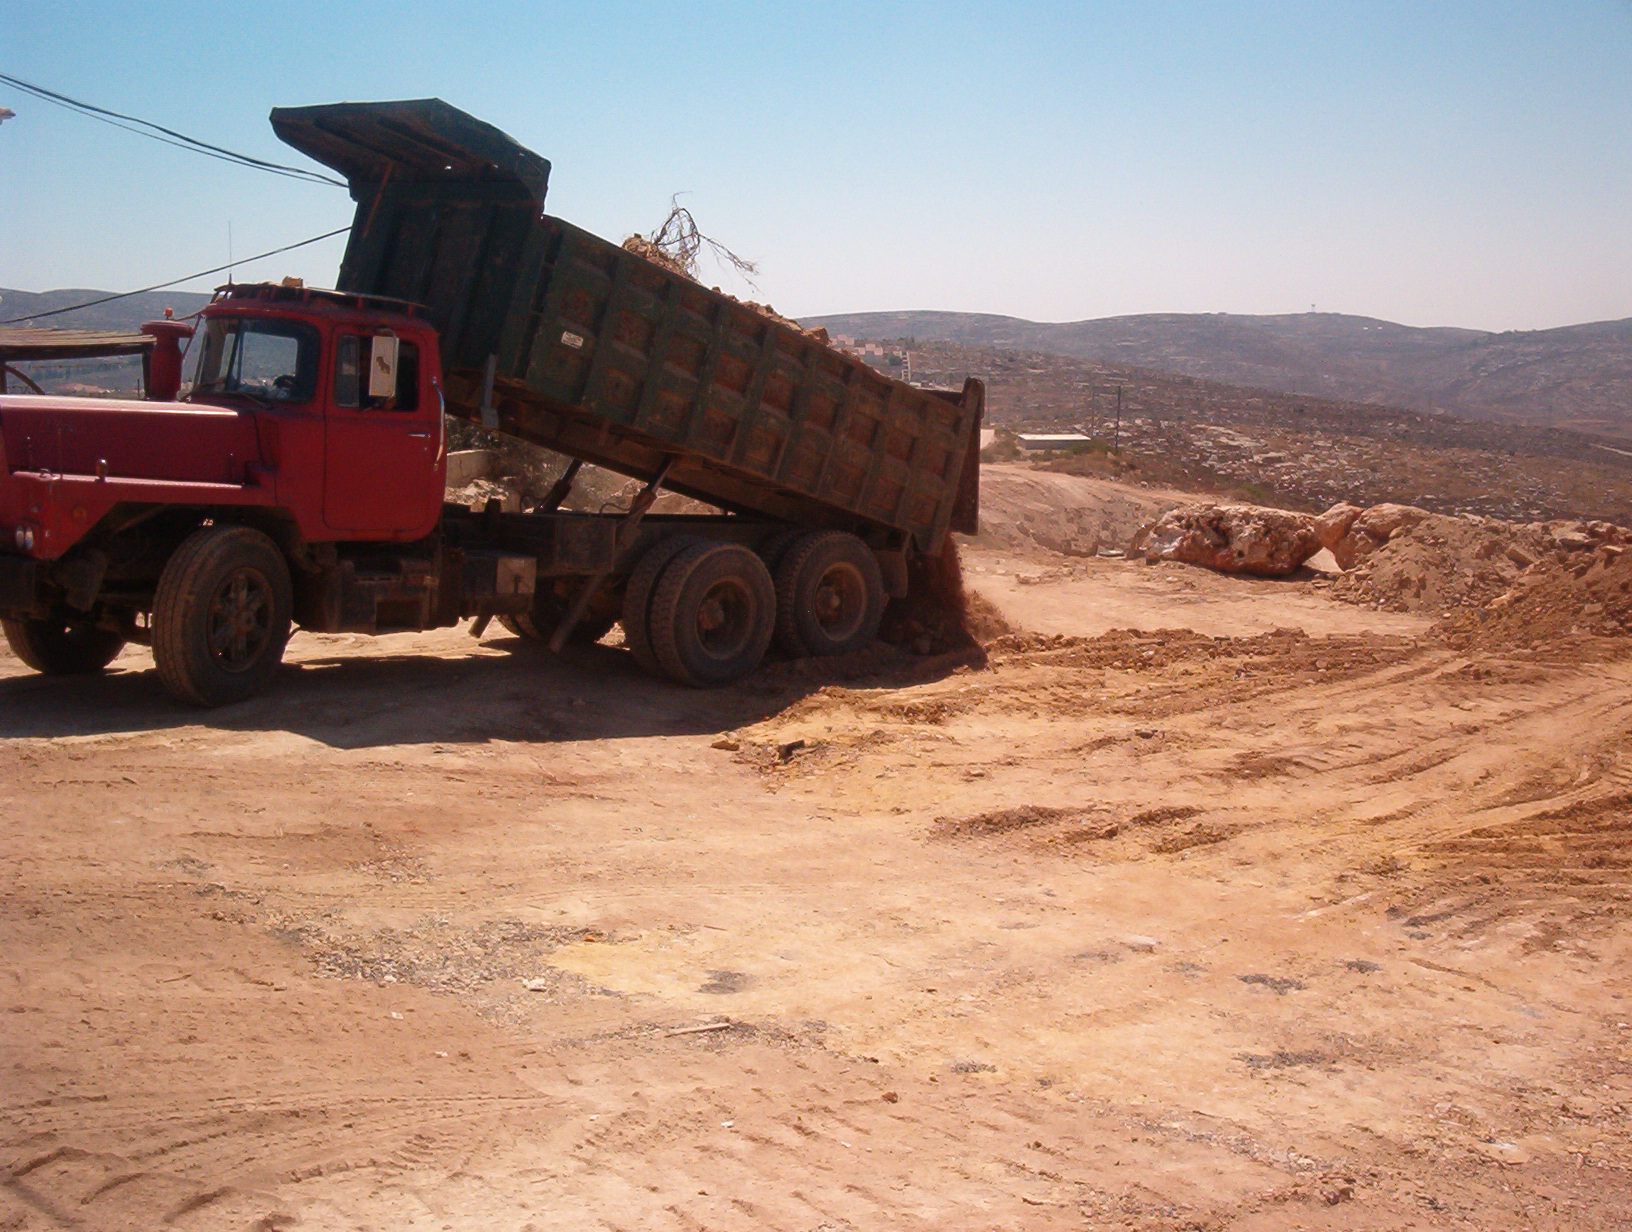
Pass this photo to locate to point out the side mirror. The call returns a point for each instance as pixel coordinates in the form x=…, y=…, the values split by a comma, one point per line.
x=382, y=366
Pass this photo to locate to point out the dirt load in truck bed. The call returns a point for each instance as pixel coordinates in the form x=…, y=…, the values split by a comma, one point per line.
x=1211, y=903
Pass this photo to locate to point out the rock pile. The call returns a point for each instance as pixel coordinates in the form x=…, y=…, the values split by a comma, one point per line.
x=1351, y=533
x=1406, y=559
x=1433, y=563
x=1230, y=538
x=1583, y=586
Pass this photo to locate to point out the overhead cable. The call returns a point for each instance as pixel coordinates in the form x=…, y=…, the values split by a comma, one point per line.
x=169, y=136
x=159, y=286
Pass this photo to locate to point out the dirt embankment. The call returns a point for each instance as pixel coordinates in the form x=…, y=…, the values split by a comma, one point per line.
x=1040, y=512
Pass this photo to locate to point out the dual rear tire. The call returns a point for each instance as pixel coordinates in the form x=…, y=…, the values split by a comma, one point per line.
x=704, y=613
x=711, y=615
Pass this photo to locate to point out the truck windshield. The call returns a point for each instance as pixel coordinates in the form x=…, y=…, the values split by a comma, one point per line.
x=261, y=358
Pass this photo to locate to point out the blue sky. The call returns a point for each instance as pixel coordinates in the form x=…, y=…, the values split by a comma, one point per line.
x=1432, y=162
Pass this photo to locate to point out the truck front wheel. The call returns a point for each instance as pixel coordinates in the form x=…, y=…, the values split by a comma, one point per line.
x=221, y=616
x=59, y=648
x=712, y=614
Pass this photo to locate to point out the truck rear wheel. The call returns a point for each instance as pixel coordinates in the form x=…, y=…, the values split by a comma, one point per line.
x=221, y=616
x=637, y=599
x=60, y=648
x=712, y=614
x=829, y=595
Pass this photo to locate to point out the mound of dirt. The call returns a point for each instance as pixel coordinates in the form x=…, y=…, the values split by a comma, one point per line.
x=1582, y=591
x=1436, y=564
x=934, y=618
x=1068, y=515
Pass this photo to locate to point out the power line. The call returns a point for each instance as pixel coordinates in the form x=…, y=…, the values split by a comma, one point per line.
x=159, y=286
x=168, y=136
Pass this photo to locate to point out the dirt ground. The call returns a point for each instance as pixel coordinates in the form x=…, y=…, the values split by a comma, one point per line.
x=1274, y=913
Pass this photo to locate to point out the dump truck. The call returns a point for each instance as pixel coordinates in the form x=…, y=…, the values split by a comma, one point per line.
x=295, y=478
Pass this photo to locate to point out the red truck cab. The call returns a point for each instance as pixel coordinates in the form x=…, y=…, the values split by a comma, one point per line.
x=345, y=396
x=311, y=428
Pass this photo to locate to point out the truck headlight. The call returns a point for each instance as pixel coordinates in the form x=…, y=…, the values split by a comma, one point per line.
x=25, y=538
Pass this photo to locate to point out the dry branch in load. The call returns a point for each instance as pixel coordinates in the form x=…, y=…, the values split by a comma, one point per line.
x=678, y=243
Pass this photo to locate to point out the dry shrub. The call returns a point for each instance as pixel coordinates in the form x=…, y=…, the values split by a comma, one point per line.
x=677, y=244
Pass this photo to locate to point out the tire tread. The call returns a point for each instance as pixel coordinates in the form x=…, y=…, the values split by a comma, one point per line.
x=177, y=595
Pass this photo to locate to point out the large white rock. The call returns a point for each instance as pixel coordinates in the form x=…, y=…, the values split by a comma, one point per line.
x=1230, y=538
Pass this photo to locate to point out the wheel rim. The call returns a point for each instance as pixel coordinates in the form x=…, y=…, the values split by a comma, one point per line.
x=840, y=601
x=240, y=620
x=725, y=619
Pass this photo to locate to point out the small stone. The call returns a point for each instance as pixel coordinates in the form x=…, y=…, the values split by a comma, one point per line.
x=536, y=985
x=726, y=743
x=890, y=1097
x=1141, y=945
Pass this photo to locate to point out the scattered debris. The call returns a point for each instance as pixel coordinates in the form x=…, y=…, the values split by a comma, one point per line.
x=700, y=1028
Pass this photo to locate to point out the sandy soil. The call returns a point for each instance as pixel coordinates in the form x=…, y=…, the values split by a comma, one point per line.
x=1213, y=927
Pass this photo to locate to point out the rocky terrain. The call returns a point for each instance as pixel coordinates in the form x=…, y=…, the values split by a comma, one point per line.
x=1299, y=452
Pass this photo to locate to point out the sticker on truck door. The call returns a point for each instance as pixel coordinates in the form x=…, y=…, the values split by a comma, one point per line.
x=382, y=366
x=572, y=340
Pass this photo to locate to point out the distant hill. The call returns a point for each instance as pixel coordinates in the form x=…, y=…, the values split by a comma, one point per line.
x=1577, y=377
x=121, y=314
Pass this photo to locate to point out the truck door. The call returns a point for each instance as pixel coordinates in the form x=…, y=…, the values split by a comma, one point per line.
x=380, y=451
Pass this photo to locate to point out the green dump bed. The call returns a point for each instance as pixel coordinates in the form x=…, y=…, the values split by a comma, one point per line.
x=558, y=337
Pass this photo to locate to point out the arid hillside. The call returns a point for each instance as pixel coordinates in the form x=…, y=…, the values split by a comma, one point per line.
x=1284, y=449
x=1578, y=377
x=1291, y=451
x=121, y=314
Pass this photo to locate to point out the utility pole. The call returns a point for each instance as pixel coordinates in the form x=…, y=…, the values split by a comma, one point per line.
x=1116, y=441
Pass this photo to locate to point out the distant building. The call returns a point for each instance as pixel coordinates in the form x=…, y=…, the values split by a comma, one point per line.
x=1055, y=440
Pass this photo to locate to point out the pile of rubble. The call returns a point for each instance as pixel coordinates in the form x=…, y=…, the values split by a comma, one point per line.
x=1513, y=582
x=1406, y=559
x=1582, y=587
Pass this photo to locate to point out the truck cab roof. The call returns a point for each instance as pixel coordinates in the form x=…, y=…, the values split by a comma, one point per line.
x=280, y=298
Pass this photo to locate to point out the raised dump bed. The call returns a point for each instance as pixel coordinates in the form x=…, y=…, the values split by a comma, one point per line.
x=558, y=337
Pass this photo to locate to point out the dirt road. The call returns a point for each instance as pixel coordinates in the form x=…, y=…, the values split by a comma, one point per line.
x=1221, y=929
